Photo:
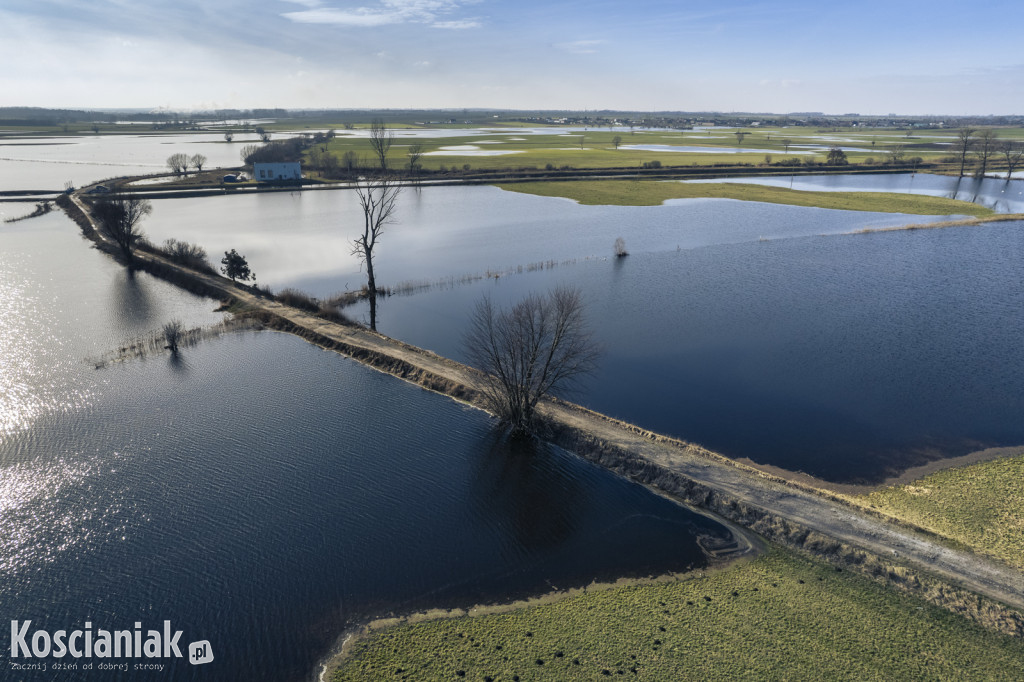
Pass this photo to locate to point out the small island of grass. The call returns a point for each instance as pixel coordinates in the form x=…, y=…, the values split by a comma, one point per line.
x=655, y=193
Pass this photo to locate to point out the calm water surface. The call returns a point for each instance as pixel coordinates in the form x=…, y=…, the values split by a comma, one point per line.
x=849, y=357
x=263, y=494
x=47, y=163
x=303, y=240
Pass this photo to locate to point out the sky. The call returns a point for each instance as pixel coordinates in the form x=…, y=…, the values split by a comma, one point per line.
x=942, y=57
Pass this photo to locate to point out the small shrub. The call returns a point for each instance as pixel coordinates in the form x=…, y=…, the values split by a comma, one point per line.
x=620, y=247
x=299, y=299
x=190, y=255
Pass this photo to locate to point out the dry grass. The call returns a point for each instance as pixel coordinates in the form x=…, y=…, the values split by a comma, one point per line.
x=980, y=506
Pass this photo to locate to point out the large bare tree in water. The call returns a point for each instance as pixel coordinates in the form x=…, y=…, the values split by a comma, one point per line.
x=378, y=198
x=539, y=345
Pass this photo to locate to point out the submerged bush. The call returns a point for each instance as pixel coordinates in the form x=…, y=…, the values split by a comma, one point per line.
x=173, y=331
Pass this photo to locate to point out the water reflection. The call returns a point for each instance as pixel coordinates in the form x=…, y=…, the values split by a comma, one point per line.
x=522, y=483
x=131, y=300
x=450, y=232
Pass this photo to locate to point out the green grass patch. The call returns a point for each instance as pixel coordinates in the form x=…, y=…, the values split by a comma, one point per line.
x=654, y=193
x=980, y=506
x=777, y=617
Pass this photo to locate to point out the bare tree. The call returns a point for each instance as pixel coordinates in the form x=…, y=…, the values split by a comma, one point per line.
x=198, y=161
x=540, y=345
x=1013, y=154
x=178, y=163
x=119, y=217
x=249, y=151
x=964, y=142
x=786, y=142
x=264, y=135
x=616, y=141
x=380, y=140
x=986, y=148
x=896, y=153
x=378, y=199
x=229, y=136
x=350, y=161
x=740, y=134
x=415, y=152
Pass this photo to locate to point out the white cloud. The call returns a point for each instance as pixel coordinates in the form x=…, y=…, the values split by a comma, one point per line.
x=361, y=16
x=458, y=25
x=383, y=13
x=580, y=46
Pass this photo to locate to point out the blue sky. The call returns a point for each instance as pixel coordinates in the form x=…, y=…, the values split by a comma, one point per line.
x=864, y=56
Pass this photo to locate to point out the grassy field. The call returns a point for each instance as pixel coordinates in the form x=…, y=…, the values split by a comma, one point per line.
x=595, y=148
x=981, y=506
x=777, y=617
x=654, y=193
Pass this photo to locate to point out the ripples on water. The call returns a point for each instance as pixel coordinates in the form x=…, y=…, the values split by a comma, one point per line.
x=264, y=494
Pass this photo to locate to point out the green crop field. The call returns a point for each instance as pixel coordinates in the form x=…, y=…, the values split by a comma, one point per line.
x=980, y=506
x=776, y=617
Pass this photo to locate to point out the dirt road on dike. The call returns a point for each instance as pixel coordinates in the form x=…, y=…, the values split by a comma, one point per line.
x=648, y=452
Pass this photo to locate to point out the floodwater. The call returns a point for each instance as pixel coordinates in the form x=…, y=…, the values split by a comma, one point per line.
x=49, y=163
x=998, y=194
x=262, y=494
x=849, y=357
x=702, y=150
x=303, y=239
x=770, y=361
